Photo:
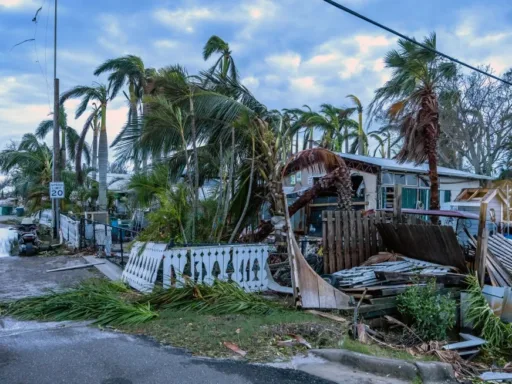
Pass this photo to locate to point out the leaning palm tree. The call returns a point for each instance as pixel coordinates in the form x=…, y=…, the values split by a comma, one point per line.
x=225, y=63
x=412, y=94
x=361, y=147
x=69, y=137
x=102, y=95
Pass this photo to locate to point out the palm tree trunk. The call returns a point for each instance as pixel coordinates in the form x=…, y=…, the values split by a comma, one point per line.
x=103, y=160
x=219, y=198
x=430, y=147
x=187, y=161
x=94, y=151
x=361, y=149
x=229, y=193
x=196, y=166
x=249, y=194
x=346, y=139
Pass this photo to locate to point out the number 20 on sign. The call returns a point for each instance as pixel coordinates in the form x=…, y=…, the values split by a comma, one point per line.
x=57, y=190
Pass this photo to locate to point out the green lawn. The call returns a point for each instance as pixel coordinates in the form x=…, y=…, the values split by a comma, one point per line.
x=256, y=334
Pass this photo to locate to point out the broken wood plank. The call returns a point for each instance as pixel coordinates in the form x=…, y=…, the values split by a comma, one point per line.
x=81, y=266
x=481, y=245
x=328, y=316
x=360, y=238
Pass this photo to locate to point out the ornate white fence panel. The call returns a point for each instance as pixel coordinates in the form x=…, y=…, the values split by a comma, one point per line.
x=70, y=231
x=142, y=268
x=243, y=264
x=249, y=262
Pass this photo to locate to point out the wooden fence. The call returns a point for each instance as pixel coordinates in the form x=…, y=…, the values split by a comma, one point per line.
x=349, y=238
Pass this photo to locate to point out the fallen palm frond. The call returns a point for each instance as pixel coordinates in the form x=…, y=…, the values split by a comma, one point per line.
x=95, y=299
x=221, y=298
x=492, y=328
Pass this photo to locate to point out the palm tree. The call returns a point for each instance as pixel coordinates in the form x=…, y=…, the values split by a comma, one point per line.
x=412, y=92
x=69, y=136
x=225, y=63
x=362, y=147
x=130, y=69
x=102, y=95
x=28, y=166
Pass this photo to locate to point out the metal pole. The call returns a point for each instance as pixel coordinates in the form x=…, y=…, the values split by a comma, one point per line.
x=508, y=211
x=56, y=133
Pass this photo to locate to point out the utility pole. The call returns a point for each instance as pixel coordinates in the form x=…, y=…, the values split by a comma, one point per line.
x=56, y=131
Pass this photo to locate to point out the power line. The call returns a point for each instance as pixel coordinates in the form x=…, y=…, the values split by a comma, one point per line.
x=348, y=10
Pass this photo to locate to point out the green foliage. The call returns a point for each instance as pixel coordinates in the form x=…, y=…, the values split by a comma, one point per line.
x=221, y=298
x=492, y=329
x=172, y=220
x=432, y=315
x=95, y=299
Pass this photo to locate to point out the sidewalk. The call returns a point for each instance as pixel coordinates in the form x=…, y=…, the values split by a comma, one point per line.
x=26, y=276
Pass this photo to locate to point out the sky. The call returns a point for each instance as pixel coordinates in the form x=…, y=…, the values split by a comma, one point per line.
x=289, y=52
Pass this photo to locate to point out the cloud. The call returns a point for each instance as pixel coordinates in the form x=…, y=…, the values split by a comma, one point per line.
x=250, y=82
x=286, y=61
x=306, y=84
x=17, y=3
x=184, y=19
x=165, y=44
x=248, y=14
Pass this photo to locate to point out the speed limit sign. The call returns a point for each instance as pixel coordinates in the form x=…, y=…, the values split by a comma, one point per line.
x=57, y=190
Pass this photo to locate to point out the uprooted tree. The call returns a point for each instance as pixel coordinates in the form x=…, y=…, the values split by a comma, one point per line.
x=337, y=180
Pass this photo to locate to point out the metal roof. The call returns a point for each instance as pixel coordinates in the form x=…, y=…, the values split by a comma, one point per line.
x=444, y=213
x=393, y=165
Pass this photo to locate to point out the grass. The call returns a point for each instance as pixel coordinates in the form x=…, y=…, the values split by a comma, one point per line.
x=258, y=335
x=375, y=350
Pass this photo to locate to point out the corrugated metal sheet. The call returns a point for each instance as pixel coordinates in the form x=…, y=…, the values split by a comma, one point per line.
x=393, y=165
x=365, y=276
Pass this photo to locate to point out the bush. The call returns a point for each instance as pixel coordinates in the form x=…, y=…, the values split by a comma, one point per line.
x=432, y=315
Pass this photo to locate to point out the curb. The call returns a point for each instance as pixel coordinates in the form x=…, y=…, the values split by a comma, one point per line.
x=429, y=372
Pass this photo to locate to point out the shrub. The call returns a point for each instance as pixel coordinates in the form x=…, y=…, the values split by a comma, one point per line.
x=432, y=315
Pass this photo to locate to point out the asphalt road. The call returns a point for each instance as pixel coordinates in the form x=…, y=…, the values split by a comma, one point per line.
x=72, y=353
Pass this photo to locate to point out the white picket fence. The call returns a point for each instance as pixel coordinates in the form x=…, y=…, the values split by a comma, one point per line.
x=244, y=264
x=70, y=231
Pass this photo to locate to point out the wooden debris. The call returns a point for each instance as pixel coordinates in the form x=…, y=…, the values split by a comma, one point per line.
x=328, y=316
x=309, y=289
x=381, y=258
x=431, y=243
x=234, y=348
x=392, y=320
x=287, y=343
x=301, y=341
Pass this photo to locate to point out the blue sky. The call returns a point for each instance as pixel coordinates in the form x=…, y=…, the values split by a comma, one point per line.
x=288, y=52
